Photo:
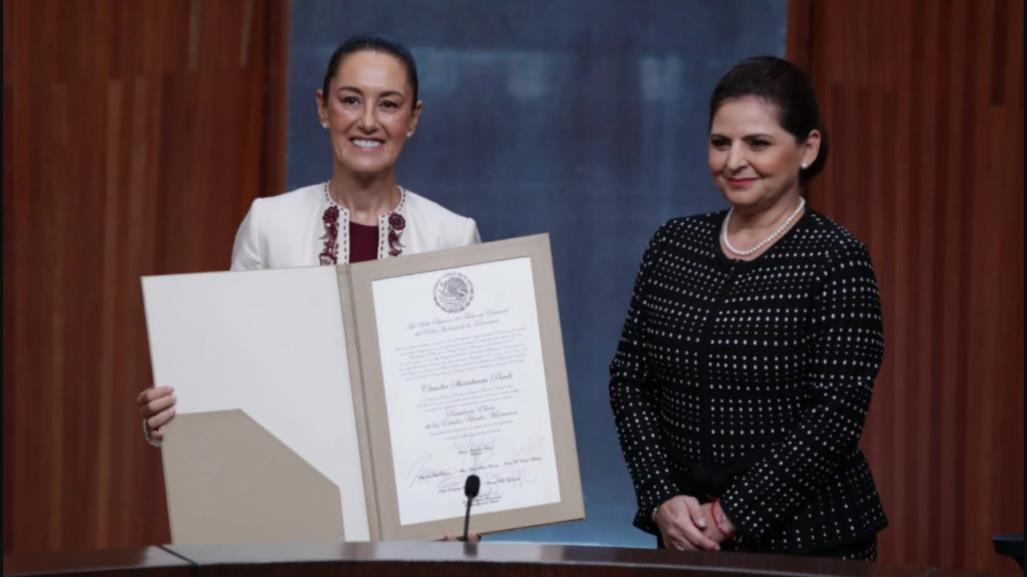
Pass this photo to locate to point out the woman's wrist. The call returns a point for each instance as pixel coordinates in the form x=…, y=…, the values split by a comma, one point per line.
x=720, y=520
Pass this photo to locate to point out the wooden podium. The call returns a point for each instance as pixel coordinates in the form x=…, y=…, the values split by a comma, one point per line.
x=434, y=559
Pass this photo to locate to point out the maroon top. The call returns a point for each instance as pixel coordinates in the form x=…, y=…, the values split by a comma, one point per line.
x=363, y=242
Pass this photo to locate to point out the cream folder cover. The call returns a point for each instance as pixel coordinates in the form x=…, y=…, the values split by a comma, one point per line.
x=271, y=344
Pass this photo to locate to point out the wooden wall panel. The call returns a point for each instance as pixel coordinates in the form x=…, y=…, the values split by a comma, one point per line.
x=923, y=102
x=136, y=134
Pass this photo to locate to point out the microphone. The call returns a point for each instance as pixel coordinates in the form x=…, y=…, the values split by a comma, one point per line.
x=471, y=487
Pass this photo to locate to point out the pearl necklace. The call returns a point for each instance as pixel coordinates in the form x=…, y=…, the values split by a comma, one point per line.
x=764, y=242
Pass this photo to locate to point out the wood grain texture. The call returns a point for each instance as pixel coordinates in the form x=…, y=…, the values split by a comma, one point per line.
x=923, y=102
x=136, y=134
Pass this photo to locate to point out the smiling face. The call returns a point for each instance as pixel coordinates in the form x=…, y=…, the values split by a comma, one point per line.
x=754, y=161
x=369, y=113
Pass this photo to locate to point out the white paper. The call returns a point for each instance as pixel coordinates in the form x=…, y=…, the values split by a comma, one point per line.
x=465, y=389
x=271, y=343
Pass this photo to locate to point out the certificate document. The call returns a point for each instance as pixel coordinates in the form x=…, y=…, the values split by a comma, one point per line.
x=364, y=395
x=465, y=388
x=462, y=371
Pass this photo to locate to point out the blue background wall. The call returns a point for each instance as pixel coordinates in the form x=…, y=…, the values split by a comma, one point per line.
x=584, y=119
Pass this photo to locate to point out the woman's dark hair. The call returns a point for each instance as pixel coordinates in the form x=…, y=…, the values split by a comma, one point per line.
x=782, y=84
x=372, y=43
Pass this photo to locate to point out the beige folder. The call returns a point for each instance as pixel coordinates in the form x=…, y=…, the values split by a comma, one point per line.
x=231, y=481
x=283, y=428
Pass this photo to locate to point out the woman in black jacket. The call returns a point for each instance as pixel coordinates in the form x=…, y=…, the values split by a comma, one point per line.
x=745, y=368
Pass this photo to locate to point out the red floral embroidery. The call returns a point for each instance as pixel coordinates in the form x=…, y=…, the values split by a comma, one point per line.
x=396, y=225
x=330, y=254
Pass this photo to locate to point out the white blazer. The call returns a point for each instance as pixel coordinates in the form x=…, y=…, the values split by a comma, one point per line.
x=287, y=230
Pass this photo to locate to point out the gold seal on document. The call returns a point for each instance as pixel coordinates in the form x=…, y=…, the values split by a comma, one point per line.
x=453, y=292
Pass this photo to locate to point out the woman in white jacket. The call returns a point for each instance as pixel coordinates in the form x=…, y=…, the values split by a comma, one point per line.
x=369, y=106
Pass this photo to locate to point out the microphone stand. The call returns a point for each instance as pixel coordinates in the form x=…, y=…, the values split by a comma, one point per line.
x=471, y=487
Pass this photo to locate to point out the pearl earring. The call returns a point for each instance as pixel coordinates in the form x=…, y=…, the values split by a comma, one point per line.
x=324, y=124
x=804, y=166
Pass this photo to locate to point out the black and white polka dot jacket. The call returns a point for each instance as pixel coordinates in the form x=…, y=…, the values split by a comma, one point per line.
x=750, y=381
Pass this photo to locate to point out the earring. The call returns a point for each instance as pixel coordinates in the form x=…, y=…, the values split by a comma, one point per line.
x=804, y=166
x=324, y=124
x=409, y=134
